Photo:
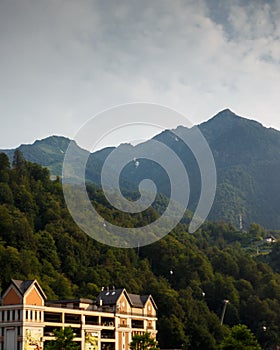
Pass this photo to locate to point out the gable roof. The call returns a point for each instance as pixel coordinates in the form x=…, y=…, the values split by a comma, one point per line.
x=152, y=300
x=271, y=237
x=109, y=297
x=24, y=286
x=137, y=300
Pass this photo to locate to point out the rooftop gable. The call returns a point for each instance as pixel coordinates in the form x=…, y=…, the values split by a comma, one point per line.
x=12, y=296
x=137, y=300
x=24, y=287
x=111, y=297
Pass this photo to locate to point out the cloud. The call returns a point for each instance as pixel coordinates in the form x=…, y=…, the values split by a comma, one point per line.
x=64, y=61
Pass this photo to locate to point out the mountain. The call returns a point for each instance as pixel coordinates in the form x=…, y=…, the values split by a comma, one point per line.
x=48, y=152
x=189, y=275
x=247, y=158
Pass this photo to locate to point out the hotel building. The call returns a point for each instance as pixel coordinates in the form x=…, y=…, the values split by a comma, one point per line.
x=27, y=319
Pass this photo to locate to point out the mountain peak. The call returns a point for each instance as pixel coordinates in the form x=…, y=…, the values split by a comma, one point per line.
x=227, y=119
x=226, y=113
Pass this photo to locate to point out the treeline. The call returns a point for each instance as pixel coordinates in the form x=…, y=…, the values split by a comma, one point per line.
x=189, y=276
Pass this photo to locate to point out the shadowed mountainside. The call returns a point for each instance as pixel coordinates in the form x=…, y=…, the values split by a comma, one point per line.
x=247, y=157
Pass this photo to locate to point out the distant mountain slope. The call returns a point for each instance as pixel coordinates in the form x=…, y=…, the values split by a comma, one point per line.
x=247, y=157
x=48, y=152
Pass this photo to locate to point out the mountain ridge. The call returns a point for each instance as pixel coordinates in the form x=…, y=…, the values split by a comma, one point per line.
x=247, y=158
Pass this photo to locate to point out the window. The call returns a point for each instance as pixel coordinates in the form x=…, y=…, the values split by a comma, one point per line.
x=91, y=320
x=77, y=332
x=72, y=318
x=107, y=321
x=107, y=334
x=137, y=324
x=48, y=331
x=53, y=317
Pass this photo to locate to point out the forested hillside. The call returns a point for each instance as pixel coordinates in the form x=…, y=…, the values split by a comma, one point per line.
x=189, y=276
x=246, y=155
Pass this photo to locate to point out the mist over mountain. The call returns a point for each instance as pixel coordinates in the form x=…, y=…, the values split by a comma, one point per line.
x=246, y=154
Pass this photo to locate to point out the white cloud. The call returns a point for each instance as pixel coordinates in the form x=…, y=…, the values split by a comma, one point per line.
x=63, y=61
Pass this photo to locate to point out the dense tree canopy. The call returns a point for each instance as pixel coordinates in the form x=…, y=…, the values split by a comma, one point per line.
x=240, y=338
x=189, y=275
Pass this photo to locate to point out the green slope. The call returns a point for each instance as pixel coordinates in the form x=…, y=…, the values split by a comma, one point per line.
x=189, y=276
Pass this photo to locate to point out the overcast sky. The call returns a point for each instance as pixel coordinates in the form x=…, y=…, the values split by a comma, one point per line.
x=63, y=61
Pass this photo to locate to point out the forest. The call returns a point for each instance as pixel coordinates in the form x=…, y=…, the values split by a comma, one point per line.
x=190, y=276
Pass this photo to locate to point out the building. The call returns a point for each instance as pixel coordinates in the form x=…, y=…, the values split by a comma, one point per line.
x=270, y=239
x=27, y=319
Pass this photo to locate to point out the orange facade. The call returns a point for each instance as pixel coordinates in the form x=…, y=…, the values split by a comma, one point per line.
x=34, y=298
x=12, y=298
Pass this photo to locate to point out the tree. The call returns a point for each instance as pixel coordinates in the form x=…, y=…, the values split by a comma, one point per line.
x=18, y=159
x=64, y=340
x=143, y=342
x=4, y=162
x=4, y=167
x=6, y=195
x=240, y=338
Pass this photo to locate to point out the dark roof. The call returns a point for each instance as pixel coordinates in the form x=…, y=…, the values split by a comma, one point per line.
x=109, y=297
x=22, y=286
x=138, y=300
x=270, y=237
x=144, y=298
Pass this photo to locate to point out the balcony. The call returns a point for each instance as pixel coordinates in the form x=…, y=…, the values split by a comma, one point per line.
x=108, y=321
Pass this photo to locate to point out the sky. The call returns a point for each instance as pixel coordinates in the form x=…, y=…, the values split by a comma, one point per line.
x=64, y=61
